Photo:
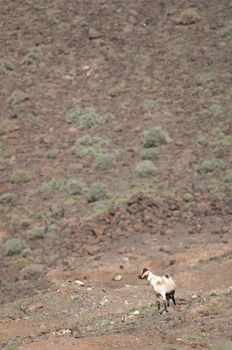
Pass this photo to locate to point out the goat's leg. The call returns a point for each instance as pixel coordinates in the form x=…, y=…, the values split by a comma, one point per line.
x=165, y=303
x=158, y=303
x=168, y=297
x=173, y=298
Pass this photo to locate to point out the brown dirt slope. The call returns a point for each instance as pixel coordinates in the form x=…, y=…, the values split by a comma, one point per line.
x=115, y=154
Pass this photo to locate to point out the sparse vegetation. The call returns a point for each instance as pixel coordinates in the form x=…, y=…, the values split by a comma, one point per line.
x=52, y=154
x=149, y=154
x=145, y=168
x=16, y=97
x=20, y=177
x=13, y=246
x=213, y=111
x=104, y=162
x=152, y=105
x=228, y=177
x=208, y=166
x=34, y=57
x=87, y=118
x=75, y=187
x=37, y=233
x=52, y=186
x=96, y=192
x=88, y=146
x=31, y=271
x=155, y=137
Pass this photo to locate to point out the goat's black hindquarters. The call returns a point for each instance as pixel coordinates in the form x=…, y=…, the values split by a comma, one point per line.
x=169, y=296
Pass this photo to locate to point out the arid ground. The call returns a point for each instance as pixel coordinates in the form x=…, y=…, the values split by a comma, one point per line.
x=115, y=154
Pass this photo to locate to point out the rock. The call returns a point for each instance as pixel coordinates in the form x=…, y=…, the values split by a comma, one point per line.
x=117, y=278
x=79, y=283
x=6, y=198
x=64, y=332
x=94, y=33
x=187, y=17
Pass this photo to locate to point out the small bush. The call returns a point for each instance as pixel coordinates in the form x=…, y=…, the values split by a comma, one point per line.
x=104, y=162
x=155, y=137
x=207, y=166
x=20, y=177
x=16, y=97
x=145, y=168
x=37, y=233
x=51, y=186
x=31, y=271
x=52, y=154
x=75, y=187
x=149, y=154
x=151, y=105
x=88, y=146
x=34, y=57
x=13, y=246
x=228, y=177
x=96, y=192
x=6, y=198
x=87, y=118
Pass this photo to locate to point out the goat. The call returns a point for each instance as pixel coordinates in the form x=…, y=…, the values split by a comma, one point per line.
x=163, y=286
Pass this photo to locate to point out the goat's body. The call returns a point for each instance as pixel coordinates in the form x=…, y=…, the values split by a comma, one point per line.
x=163, y=286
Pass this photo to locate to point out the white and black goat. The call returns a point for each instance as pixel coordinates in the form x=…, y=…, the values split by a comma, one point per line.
x=163, y=286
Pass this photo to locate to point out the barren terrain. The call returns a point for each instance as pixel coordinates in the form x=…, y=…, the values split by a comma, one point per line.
x=115, y=154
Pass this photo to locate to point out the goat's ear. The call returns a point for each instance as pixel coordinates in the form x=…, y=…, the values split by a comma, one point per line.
x=144, y=270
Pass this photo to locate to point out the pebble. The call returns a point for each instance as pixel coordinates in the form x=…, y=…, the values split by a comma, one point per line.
x=66, y=332
x=79, y=283
x=117, y=278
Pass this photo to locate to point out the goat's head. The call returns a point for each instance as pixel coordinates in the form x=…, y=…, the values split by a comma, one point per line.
x=144, y=273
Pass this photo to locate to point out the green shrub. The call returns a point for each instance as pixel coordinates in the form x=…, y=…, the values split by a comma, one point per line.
x=2, y=166
x=20, y=177
x=87, y=118
x=104, y=162
x=228, y=177
x=145, y=168
x=88, y=146
x=151, y=105
x=149, y=154
x=155, y=137
x=75, y=187
x=52, y=154
x=207, y=166
x=16, y=97
x=37, y=233
x=34, y=57
x=51, y=186
x=13, y=246
x=96, y=192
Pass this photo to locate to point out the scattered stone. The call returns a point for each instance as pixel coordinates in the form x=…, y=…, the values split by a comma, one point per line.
x=136, y=312
x=187, y=17
x=194, y=296
x=64, y=332
x=117, y=278
x=94, y=34
x=79, y=283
